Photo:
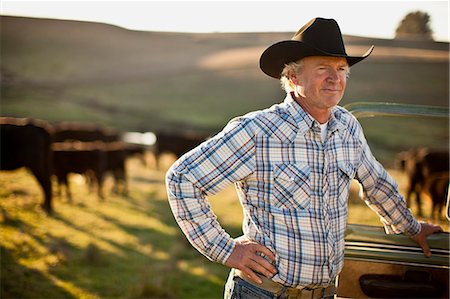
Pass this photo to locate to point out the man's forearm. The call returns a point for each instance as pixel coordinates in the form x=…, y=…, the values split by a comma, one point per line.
x=196, y=219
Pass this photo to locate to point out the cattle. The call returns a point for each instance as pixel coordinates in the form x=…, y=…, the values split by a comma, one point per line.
x=87, y=132
x=26, y=142
x=436, y=186
x=176, y=143
x=427, y=172
x=94, y=160
x=116, y=155
x=81, y=158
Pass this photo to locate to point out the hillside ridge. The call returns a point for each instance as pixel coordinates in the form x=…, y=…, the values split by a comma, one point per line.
x=63, y=70
x=6, y=20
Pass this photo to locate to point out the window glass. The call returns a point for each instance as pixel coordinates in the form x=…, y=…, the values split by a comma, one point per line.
x=396, y=139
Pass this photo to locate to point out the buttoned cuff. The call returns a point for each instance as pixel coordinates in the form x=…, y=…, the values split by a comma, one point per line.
x=222, y=249
x=411, y=230
x=414, y=229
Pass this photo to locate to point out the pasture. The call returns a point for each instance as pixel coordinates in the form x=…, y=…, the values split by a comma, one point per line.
x=134, y=80
x=140, y=81
x=124, y=247
x=130, y=246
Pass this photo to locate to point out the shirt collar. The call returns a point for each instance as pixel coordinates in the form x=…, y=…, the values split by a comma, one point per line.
x=338, y=120
x=305, y=121
x=302, y=119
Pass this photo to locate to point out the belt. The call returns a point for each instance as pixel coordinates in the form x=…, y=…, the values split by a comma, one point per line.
x=279, y=289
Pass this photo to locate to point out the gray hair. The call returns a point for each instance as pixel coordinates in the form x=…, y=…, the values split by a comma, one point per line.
x=291, y=67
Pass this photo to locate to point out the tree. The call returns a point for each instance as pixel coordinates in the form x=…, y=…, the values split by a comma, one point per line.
x=415, y=25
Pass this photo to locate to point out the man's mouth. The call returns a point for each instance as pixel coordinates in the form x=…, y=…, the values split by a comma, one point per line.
x=331, y=90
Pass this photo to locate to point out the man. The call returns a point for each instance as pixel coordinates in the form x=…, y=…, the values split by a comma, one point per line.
x=292, y=165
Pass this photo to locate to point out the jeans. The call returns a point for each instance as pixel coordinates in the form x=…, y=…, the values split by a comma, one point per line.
x=237, y=288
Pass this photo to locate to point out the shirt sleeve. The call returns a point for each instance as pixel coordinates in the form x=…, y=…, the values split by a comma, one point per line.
x=215, y=164
x=382, y=195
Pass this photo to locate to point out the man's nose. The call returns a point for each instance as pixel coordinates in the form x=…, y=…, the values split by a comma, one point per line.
x=333, y=76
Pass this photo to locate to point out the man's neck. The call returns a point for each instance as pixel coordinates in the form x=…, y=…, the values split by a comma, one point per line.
x=321, y=115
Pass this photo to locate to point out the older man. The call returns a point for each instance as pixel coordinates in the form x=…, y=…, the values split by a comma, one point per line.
x=292, y=165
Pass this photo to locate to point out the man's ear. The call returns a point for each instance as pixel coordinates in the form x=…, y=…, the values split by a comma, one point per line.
x=293, y=77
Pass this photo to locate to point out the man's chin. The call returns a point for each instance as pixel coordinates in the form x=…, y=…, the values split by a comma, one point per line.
x=332, y=102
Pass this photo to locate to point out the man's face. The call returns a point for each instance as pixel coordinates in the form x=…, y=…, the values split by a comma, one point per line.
x=322, y=81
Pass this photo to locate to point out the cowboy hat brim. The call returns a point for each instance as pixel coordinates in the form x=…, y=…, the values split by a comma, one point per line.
x=275, y=57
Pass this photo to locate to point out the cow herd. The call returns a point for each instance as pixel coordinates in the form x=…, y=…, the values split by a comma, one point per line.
x=91, y=150
x=61, y=149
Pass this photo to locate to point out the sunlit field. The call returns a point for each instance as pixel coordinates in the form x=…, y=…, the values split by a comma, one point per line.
x=130, y=246
x=122, y=247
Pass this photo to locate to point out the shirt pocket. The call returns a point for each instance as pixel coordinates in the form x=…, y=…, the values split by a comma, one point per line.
x=291, y=186
x=345, y=176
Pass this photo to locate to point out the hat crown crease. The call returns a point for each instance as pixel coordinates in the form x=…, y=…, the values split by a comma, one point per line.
x=322, y=34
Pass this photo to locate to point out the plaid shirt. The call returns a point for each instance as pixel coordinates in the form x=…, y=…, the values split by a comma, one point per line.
x=293, y=188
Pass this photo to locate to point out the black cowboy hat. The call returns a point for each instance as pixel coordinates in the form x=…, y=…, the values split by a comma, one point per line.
x=318, y=37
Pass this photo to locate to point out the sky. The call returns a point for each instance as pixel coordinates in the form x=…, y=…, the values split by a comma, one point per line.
x=377, y=19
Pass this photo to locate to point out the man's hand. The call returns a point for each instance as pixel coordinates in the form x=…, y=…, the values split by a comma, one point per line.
x=421, y=238
x=246, y=257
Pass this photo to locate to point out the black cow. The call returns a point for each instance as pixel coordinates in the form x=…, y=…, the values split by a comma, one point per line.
x=26, y=142
x=176, y=143
x=117, y=154
x=436, y=186
x=87, y=132
x=427, y=170
x=81, y=158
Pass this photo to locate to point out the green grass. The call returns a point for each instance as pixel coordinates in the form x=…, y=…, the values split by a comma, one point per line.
x=147, y=81
x=124, y=247
x=62, y=70
x=387, y=136
x=409, y=82
x=131, y=247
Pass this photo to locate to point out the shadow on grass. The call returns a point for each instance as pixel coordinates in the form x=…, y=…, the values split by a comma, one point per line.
x=18, y=281
x=157, y=278
x=154, y=264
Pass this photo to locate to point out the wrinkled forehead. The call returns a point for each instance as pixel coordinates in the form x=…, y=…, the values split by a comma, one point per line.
x=326, y=60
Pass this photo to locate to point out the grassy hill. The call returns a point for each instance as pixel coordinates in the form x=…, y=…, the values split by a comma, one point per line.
x=144, y=81
x=134, y=80
x=130, y=247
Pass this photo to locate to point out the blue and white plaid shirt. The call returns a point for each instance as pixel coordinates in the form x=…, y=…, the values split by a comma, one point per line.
x=293, y=188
